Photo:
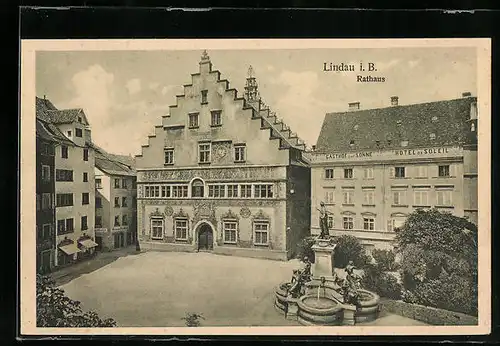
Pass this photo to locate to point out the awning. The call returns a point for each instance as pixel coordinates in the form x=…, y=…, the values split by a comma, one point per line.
x=88, y=243
x=70, y=249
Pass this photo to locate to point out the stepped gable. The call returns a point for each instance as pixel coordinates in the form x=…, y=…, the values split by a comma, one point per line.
x=278, y=129
x=426, y=124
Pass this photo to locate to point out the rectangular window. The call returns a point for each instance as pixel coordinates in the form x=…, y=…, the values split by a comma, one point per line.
x=204, y=94
x=204, y=153
x=368, y=224
x=444, y=197
x=46, y=232
x=47, y=149
x=329, y=173
x=147, y=191
x=46, y=201
x=263, y=191
x=369, y=197
x=421, y=171
x=399, y=197
x=64, y=199
x=124, y=184
x=193, y=120
x=124, y=201
x=216, y=118
x=368, y=173
x=246, y=191
x=232, y=191
x=78, y=132
x=261, y=233
x=348, y=173
x=85, y=198
x=348, y=196
x=348, y=222
x=38, y=199
x=85, y=154
x=124, y=220
x=69, y=225
x=239, y=153
x=117, y=202
x=444, y=171
x=64, y=152
x=98, y=221
x=179, y=191
x=169, y=156
x=180, y=229
x=399, y=172
x=64, y=175
x=330, y=196
x=420, y=197
x=216, y=191
x=331, y=221
x=84, y=223
x=155, y=191
x=117, y=183
x=98, y=183
x=98, y=202
x=117, y=221
x=156, y=228
x=229, y=232
x=69, y=133
x=85, y=177
x=45, y=173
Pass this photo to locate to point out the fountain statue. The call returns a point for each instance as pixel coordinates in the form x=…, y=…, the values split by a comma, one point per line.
x=323, y=221
x=319, y=297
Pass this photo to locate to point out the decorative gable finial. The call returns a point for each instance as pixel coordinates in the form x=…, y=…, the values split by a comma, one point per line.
x=204, y=56
x=250, y=72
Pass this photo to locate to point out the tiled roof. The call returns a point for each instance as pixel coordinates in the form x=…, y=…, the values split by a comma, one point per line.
x=64, y=116
x=43, y=132
x=42, y=108
x=113, y=164
x=48, y=131
x=425, y=124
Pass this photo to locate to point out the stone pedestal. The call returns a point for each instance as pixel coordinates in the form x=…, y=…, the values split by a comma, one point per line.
x=323, y=259
x=349, y=312
x=293, y=308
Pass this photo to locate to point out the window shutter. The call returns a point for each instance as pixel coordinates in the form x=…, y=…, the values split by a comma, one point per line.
x=452, y=170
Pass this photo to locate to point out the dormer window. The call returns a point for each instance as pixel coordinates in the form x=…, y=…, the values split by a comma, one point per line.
x=204, y=94
x=69, y=133
x=351, y=143
x=79, y=119
x=432, y=136
x=389, y=142
x=78, y=132
x=377, y=143
x=434, y=119
x=356, y=127
x=399, y=122
x=404, y=143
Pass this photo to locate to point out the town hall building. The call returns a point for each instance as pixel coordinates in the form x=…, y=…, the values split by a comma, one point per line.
x=373, y=167
x=222, y=173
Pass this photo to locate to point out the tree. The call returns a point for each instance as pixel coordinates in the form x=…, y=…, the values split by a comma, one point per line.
x=55, y=309
x=304, y=248
x=349, y=248
x=439, y=260
x=386, y=259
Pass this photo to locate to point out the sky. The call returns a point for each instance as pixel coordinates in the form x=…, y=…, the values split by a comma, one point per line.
x=125, y=93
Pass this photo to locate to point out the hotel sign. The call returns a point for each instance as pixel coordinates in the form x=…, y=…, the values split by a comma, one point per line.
x=396, y=154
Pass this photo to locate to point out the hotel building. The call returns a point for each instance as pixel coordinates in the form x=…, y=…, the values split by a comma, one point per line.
x=373, y=167
x=74, y=182
x=221, y=173
x=115, y=200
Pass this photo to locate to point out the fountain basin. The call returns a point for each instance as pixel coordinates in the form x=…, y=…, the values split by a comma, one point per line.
x=319, y=311
x=368, y=307
x=280, y=297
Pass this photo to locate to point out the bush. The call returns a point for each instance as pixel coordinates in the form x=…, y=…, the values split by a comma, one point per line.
x=439, y=261
x=349, y=248
x=304, y=248
x=386, y=259
x=55, y=309
x=193, y=319
x=384, y=284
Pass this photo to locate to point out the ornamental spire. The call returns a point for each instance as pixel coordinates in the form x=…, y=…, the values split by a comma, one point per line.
x=251, y=86
x=204, y=56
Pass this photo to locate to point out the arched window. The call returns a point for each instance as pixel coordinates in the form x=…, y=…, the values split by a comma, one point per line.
x=197, y=188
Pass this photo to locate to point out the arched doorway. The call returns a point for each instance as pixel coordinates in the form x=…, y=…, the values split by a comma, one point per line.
x=205, y=237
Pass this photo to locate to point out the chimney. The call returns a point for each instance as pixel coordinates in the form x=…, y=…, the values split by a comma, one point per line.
x=313, y=148
x=44, y=97
x=466, y=94
x=353, y=106
x=394, y=100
